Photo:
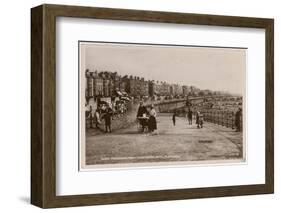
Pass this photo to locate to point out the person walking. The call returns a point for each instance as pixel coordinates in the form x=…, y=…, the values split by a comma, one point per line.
x=199, y=119
x=238, y=115
x=97, y=118
x=189, y=116
x=152, y=124
x=90, y=116
x=107, y=118
x=174, y=118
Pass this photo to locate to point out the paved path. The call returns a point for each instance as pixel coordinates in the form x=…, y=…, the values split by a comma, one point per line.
x=182, y=142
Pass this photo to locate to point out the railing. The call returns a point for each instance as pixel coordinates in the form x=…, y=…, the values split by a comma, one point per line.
x=222, y=117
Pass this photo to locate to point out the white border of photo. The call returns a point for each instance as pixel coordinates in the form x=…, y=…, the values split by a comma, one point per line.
x=71, y=181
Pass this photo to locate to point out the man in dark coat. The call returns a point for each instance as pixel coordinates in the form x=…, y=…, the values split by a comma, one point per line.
x=107, y=118
x=142, y=110
x=238, y=116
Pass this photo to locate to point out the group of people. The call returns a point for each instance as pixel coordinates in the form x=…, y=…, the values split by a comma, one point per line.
x=146, y=115
x=198, y=115
x=119, y=109
x=102, y=112
x=200, y=118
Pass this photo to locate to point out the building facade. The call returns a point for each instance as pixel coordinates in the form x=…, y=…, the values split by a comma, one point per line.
x=186, y=90
x=110, y=84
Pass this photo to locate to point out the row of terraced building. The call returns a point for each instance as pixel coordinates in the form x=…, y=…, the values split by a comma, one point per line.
x=108, y=84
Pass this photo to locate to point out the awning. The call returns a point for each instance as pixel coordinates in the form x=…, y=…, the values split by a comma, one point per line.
x=118, y=93
x=125, y=98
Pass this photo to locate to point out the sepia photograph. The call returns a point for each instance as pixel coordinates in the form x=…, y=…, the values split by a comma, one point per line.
x=149, y=105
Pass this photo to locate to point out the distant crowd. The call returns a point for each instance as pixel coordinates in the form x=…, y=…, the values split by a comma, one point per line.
x=106, y=112
x=199, y=118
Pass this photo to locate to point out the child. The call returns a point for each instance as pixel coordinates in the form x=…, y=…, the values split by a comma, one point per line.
x=199, y=119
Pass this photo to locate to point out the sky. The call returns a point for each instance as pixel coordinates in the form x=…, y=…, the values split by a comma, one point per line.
x=220, y=69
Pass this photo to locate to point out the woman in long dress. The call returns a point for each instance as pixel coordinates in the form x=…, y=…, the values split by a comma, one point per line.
x=97, y=117
x=152, y=124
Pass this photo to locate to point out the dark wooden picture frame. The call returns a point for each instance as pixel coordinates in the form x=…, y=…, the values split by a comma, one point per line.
x=43, y=105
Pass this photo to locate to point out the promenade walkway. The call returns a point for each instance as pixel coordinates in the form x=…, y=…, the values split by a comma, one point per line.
x=182, y=142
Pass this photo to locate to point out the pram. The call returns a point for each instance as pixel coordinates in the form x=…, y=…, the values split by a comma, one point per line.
x=142, y=124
